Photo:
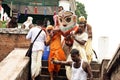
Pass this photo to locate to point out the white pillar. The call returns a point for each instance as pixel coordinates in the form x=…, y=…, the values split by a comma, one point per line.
x=103, y=45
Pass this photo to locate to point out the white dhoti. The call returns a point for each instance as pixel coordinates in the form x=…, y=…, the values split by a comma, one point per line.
x=68, y=68
x=36, y=63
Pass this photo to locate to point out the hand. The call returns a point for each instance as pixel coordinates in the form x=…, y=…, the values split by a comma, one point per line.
x=73, y=36
x=68, y=37
x=52, y=59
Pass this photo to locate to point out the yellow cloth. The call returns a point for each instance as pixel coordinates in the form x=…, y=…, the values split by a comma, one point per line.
x=89, y=51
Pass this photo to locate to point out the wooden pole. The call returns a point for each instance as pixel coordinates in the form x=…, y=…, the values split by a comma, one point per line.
x=11, y=9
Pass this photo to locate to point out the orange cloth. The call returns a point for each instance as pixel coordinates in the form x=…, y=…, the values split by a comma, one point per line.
x=56, y=52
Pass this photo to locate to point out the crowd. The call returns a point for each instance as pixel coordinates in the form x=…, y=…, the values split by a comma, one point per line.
x=78, y=57
x=74, y=51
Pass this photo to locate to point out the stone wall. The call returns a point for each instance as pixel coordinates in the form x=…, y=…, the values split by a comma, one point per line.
x=116, y=74
x=103, y=69
x=15, y=65
x=11, y=38
x=113, y=68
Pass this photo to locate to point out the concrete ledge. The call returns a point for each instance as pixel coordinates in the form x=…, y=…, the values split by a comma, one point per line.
x=14, y=30
x=14, y=65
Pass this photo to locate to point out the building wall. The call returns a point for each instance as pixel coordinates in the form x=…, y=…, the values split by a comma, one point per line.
x=9, y=41
x=113, y=68
x=116, y=74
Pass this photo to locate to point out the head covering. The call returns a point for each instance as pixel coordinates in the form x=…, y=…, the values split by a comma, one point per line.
x=28, y=22
x=49, y=27
x=82, y=19
x=29, y=18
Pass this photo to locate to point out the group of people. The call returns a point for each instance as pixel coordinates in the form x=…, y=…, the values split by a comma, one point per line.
x=77, y=58
x=12, y=23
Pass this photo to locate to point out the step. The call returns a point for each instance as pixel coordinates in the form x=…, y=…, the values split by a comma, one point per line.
x=47, y=77
x=45, y=71
x=94, y=79
x=45, y=64
x=96, y=73
x=62, y=72
x=95, y=69
x=95, y=65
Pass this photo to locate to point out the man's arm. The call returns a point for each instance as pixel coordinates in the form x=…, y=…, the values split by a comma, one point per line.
x=82, y=42
x=88, y=67
x=89, y=30
x=29, y=34
x=69, y=63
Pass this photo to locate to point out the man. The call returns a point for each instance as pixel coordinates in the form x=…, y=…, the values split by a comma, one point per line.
x=60, y=8
x=38, y=48
x=79, y=68
x=80, y=37
x=56, y=51
x=28, y=23
x=88, y=46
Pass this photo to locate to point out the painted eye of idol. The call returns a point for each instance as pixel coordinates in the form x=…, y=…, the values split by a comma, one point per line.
x=68, y=19
x=60, y=19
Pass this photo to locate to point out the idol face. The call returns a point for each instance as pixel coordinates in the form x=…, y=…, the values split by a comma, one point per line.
x=66, y=20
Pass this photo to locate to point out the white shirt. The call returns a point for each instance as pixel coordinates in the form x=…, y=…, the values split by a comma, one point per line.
x=78, y=73
x=39, y=42
x=80, y=37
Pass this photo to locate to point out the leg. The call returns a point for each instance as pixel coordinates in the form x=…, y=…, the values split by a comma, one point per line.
x=68, y=68
x=51, y=75
x=39, y=62
x=33, y=64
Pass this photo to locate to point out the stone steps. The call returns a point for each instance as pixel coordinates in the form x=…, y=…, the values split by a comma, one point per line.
x=47, y=77
x=62, y=73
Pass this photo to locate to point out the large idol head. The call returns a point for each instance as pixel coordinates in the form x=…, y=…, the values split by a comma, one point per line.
x=67, y=20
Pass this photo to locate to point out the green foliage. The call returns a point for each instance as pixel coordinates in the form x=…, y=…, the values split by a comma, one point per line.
x=80, y=11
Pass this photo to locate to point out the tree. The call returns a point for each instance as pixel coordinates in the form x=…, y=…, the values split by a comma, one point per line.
x=80, y=11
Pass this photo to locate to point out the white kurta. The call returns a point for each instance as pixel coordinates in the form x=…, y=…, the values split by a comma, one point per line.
x=39, y=43
x=37, y=50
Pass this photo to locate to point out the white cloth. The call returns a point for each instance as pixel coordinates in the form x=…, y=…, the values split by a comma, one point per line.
x=81, y=48
x=28, y=22
x=83, y=36
x=37, y=50
x=78, y=73
x=68, y=68
x=39, y=42
x=36, y=63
